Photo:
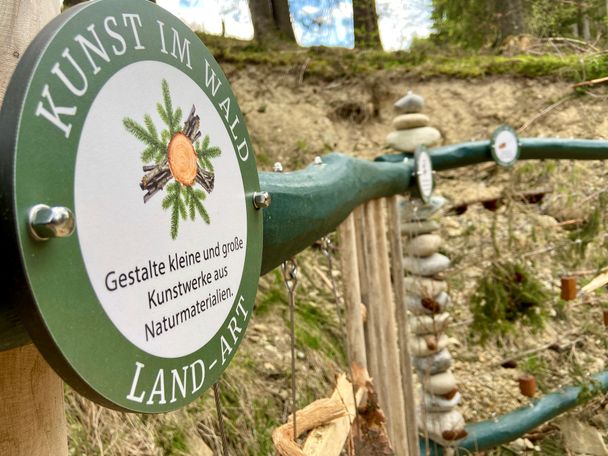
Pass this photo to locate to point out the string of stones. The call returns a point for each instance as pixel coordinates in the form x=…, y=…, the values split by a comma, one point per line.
x=426, y=296
x=427, y=301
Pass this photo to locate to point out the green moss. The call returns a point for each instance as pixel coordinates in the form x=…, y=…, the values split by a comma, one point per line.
x=422, y=61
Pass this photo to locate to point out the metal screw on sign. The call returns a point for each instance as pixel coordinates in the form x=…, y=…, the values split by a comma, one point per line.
x=47, y=222
x=290, y=277
x=220, y=417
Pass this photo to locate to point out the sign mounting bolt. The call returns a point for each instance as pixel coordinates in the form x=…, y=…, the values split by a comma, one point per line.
x=46, y=222
x=261, y=200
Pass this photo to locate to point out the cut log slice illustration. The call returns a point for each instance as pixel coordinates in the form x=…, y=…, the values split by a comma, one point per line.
x=182, y=159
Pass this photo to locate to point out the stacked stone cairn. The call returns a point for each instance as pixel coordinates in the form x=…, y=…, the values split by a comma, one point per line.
x=428, y=302
x=411, y=126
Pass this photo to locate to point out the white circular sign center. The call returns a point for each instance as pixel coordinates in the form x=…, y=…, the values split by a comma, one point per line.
x=505, y=147
x=166, y=277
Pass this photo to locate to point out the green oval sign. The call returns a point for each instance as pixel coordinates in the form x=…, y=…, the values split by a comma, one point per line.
x=119, y=113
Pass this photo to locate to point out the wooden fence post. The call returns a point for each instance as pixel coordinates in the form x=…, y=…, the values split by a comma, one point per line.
x=32, y=417
x=352, y=293
x=390, y=348
x=407, y=381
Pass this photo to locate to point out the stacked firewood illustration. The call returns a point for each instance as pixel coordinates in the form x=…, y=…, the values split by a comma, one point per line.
x=181, y=163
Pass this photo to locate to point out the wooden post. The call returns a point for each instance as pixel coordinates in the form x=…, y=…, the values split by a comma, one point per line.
x=394, y=230
x=568, y=289
x=374, y=308
x=32, y=417
x=352, y=293
x=359, y=215
x=390, y=348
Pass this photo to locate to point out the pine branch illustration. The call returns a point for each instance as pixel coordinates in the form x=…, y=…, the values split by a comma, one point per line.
x=200, y=207
x=206, y=153
x=149, y=138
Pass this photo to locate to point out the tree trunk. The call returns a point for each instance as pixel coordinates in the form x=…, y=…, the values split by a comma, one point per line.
x=271, y=20
x=367, y=32
x=282, y=18
x=510, y=15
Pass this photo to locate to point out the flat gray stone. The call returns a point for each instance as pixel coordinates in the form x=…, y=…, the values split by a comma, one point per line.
x=427, y=345
x=426, y=288
x=439, y=384
x=417, y=210
x=436, y=404
x=433, y=364
x=427, y=266
x=415, y=228
x=409, y=140
x=411, y=102
x=422, y=246
x=426, y=324
x=429, y=306
x=405, y=121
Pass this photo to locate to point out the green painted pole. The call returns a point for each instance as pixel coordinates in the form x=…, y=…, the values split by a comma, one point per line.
x=491, y=433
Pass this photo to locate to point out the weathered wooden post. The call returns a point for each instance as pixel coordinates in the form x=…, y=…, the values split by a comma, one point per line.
x=32, y=418
x=131, y=230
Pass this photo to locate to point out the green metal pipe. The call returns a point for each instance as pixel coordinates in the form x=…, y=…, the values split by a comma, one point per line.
x=492, y=433
x=472, y=153
x=310, y=203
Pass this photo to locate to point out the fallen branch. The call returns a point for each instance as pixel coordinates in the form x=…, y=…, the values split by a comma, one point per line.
x=590, y=83
x=555, y=346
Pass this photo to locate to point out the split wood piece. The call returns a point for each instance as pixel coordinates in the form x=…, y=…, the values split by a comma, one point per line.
x=32, y=416
x=315, y=414
x=394, y=407
x=527, y=385
x=374, y=303
x=568, y=288
x=369, y=432
x=355, y=336
x=329, y=439
x=405, y=360
x=596, y=283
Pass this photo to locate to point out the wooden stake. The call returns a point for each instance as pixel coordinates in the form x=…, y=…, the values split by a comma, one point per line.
x=352, y=293
x=405, y=361
x=605, y=313
x=568, y=288
x=527, y=385
x=390, y=349
x=366, y=276
x=32, y=417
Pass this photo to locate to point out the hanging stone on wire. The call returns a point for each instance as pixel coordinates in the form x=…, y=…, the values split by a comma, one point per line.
x=427, y=300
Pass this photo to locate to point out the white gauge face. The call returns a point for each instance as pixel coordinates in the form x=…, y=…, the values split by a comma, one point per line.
x=424, y=174
x=505, y=147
